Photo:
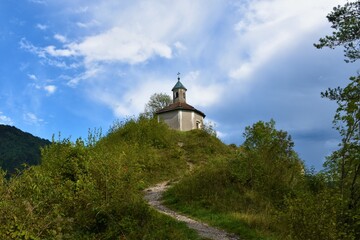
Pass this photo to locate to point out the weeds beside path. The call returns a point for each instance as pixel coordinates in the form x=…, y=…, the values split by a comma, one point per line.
x=153, y=197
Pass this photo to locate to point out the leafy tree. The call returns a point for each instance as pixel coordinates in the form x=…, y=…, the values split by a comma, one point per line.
x=344, y=164
x=272, y=166
x=157, y=101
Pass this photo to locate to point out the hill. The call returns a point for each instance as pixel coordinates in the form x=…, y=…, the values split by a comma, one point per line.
x=18, y=148
x=93, y=189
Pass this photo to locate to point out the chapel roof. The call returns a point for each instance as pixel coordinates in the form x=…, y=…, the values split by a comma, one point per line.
x=178, y=85
x=179, y=106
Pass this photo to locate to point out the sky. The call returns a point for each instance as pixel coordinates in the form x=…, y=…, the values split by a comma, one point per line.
x=73, y=65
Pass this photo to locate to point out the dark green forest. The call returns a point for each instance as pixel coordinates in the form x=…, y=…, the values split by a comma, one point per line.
x=18, y=148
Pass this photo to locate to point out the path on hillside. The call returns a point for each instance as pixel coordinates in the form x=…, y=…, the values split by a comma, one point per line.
x=153, y=197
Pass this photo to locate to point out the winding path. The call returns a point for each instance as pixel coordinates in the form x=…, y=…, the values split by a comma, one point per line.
x=153, y=196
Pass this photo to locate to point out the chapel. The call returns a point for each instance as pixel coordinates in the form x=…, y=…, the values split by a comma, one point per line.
x=179, y=115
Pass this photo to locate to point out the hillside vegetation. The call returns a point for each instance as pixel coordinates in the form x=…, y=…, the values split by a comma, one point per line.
x=93, y=188
x=247, y=191
x=18, y=148
x=265, y=192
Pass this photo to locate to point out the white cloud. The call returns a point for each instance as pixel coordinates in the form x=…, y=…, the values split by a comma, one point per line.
x=50, y=89
x=132, y=101
x=137, y=32
x=42, y=26
x=91, y=72
x=118, y=44
x=50, y=55
x=51, y=50
x=32, y=119
x=32, y=77
x=26, y=45
x=202, y=90
x=92, y=23
x=46, y=51
x=270, y=28
x=179, y=45
x=127, y=33
x=140, y=32
x=60, y=38
x=82, y=25
x=42, y=85
x=5, y=119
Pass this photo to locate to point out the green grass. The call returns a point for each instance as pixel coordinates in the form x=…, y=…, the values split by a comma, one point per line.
x=244, y=225
x=164, y=227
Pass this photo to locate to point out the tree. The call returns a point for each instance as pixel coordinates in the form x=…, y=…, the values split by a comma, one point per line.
x=346, y=23
x=157, y=101
x=209, y=127
x=344, y=164
x=268, y=162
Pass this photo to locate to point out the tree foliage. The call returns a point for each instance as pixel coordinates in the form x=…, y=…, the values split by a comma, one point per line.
x=268, y=162
x=343, y=165
x=157, y=101
x=209, y=127
x=345, y=21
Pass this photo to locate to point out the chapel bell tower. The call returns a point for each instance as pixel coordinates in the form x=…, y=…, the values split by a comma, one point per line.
x=179, y=92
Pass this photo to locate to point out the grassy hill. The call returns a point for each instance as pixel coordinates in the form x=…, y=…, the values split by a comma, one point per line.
x=93, y=188
x=18, y=148
x=244, y=193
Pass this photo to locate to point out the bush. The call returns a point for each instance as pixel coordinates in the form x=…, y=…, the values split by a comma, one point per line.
x=311, y=216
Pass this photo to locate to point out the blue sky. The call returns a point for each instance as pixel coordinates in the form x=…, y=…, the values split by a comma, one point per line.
x=72, y=65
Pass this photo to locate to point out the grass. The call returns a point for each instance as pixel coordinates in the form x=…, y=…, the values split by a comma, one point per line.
x=245, y=225
x=164, y=226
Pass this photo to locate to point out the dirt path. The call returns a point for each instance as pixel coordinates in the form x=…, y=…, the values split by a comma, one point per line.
x=153, y=196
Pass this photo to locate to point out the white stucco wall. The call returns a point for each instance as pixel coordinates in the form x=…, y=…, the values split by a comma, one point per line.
x=182, y=120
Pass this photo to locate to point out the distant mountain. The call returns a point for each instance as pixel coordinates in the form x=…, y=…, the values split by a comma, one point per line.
x=18, y=147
